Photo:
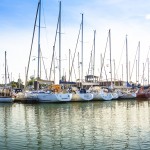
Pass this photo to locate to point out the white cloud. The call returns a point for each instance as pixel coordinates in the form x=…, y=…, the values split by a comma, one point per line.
x=147, y=16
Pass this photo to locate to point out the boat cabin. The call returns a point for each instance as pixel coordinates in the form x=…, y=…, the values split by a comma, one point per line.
x=17, y=90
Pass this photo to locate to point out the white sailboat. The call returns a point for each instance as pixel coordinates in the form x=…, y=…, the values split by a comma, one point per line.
x=57, y=97
x=102, y=95
x=82, y=95
x=5, y=92
x=42, y=96
x=105, y=94
x=127, y=93
x=115, y=95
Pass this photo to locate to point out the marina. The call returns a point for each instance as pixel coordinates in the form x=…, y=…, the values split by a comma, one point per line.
x=74, y=75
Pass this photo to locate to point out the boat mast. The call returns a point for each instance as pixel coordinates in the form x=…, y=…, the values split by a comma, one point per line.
x=127, y=59
x=54, y=63
x=31, y=45
x=79, y=67
x=82, y=50
x=39, y=32
x=5, y=71
x=122, y=72
x=94, y=56
x=110, y=55
x=59, y=41
x=148, y=71
x=53, y=55
x=114, y=71
x=139, y=63
x=143, y=74
x=69, y=63
x=90, y=69
x=101, y=65
x=136, y=72
x=129, y=73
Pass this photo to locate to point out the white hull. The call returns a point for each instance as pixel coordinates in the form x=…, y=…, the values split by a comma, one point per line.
x=128, y=96
x=115, y=95
x=82, y=97
x=6, y=99
x=30, y=96
x=103, y=96
x=47, y=97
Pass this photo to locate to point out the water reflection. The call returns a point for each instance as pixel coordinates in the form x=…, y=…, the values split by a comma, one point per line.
x=88, y=125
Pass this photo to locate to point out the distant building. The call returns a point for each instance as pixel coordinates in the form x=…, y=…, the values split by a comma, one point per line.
x=91, y=78
x=108, y=83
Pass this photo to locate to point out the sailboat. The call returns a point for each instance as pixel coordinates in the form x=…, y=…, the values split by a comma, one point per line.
x=127, y=93
x=104, y=93
x=6, y=92
x=144, y=91
x=82, y=94
x=48, y=96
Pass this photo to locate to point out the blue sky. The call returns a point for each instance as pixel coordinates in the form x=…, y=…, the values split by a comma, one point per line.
x=131, y=17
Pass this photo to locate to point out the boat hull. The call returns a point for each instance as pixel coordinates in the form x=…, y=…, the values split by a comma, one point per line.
x=103, y=96
x=143, y=95
x=128, y=96
x=82, y=97
x=6, y=99
x=115, y=95
x=60, y=97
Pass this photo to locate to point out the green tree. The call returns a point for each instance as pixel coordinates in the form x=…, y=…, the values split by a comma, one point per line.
x=31, y=81
x=13, y=84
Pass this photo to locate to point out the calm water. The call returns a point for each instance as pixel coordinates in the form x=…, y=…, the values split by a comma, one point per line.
x=104, y=125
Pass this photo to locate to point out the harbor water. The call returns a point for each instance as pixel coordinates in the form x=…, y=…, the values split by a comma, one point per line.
x=95, y=125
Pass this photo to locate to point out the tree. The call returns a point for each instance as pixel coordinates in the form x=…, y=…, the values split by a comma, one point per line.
x=31, y=81
x=17, y=84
